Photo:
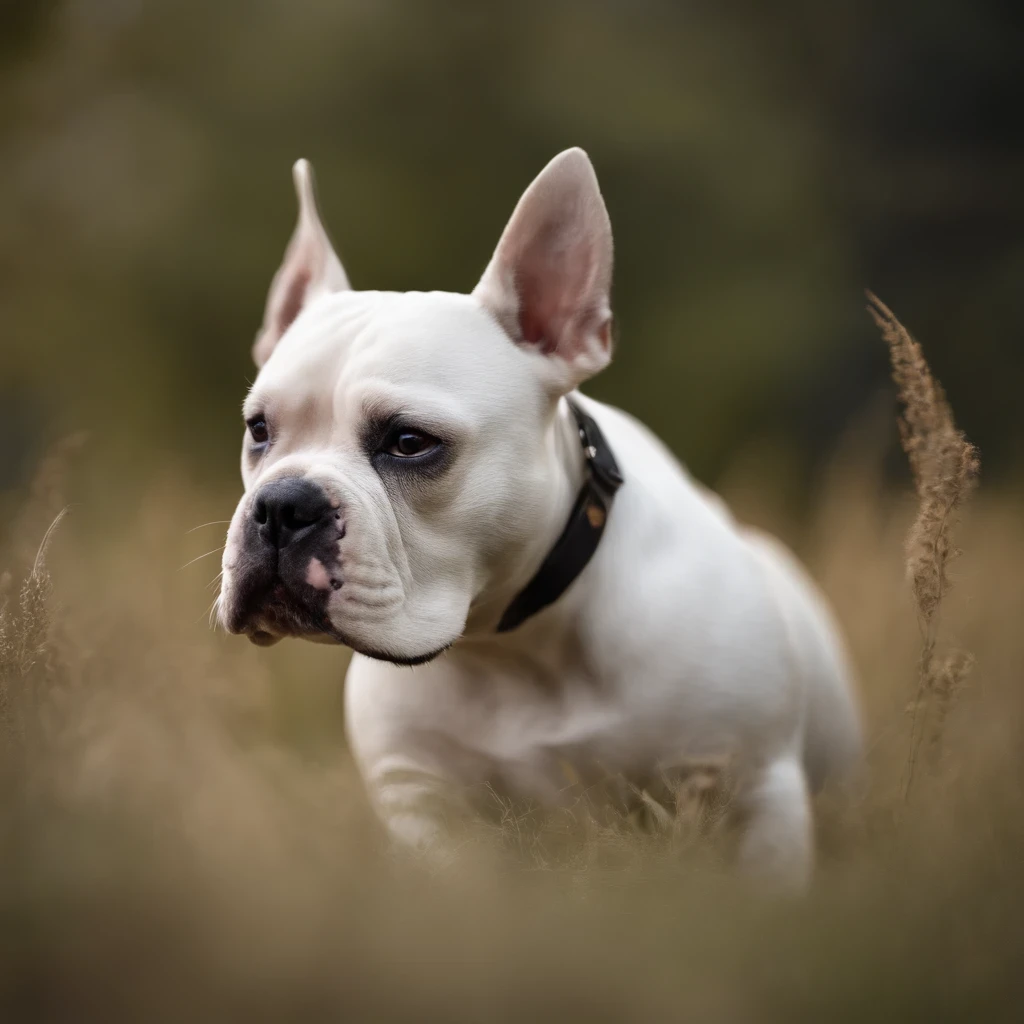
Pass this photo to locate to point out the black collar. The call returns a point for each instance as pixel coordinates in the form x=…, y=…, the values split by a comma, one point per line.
x=579, y=540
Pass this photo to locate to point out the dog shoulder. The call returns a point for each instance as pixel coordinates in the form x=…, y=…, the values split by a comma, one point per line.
x=657, y=471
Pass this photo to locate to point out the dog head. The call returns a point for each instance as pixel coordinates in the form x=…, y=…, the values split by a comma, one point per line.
x=398, y=456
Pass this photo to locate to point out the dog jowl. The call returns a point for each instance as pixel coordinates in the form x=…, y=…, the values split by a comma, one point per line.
x=425, y=484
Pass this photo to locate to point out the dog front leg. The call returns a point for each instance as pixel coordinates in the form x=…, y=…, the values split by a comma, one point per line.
x=776, y=829
x=420, y=812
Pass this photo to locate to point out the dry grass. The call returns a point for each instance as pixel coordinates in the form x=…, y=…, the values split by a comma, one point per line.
x=183, y=838
x=945, y=467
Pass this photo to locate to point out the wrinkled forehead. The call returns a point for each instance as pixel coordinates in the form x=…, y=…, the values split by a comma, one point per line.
x=390, y=349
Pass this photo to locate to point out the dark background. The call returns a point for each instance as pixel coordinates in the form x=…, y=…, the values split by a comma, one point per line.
x=763, y=163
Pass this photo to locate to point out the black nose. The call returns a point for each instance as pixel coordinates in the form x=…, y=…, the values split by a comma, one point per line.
x=288, y=509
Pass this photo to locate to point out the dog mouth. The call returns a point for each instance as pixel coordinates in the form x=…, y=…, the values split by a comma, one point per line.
x=269, y=608
x=274, y=611
x=278, y=613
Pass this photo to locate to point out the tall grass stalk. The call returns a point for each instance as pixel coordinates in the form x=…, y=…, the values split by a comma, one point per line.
x=945, y=468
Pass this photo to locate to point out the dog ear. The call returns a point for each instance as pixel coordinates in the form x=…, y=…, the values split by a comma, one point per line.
x=310, y=268
x=549, y=281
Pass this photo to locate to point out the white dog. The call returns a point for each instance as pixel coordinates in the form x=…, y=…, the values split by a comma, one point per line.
x=424, y=483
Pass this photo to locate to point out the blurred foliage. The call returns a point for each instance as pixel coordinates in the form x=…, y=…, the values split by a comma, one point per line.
x=762, y=164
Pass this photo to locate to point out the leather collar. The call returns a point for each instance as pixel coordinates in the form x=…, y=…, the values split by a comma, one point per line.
x=579, y=540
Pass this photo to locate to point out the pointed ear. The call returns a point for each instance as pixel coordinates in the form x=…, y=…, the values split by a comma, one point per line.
x=549, y=281
x=310, y=268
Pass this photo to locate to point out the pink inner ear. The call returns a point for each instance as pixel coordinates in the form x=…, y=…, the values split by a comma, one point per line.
x=552, y=286
x=293, y=300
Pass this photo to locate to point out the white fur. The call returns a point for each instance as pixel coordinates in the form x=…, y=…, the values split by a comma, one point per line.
x=686, y=638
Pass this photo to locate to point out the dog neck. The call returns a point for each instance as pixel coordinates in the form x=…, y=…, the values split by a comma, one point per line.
x=568, y=472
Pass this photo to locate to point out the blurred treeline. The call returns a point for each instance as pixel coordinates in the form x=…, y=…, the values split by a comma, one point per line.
x=762, y=164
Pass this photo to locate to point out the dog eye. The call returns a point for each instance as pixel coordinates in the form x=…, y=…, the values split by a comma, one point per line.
x=406, y=444
x=258, y=430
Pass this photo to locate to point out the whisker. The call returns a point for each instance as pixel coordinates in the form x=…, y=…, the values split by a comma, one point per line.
x=211, y=613
x=204, y=555
x=216, y=522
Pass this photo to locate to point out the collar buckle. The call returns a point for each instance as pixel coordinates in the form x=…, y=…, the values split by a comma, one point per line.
x=596, y=451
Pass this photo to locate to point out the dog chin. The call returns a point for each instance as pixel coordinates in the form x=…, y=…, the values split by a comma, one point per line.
x=406, y=660
x=265, y=638
x=390, y=656
x=267, y=634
